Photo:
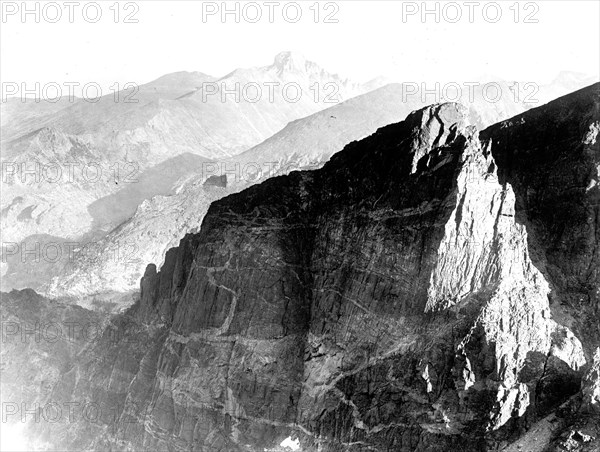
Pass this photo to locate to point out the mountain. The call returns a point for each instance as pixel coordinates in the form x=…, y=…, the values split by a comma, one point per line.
x=564, y=83
x=190, y=112
x=94, y=154
x=431, y=288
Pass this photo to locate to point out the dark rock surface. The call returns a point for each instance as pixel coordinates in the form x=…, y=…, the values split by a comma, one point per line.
x=217, y=181
x=429, y=289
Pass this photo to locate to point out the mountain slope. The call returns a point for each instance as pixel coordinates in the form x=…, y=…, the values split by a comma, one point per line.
x=393, y=299
x=94, y=154
x=195, y=113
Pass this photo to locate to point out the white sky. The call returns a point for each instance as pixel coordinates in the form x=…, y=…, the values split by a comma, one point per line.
x=370, y=39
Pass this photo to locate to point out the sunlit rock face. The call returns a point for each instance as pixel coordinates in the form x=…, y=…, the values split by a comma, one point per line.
x=591, y=389
x=412, y=295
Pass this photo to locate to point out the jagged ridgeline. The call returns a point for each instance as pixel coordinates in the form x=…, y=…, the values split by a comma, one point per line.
x=431, y=288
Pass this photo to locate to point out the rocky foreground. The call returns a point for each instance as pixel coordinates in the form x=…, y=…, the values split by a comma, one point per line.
x=431, y=288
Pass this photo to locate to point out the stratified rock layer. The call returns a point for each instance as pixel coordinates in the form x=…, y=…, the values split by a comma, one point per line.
x=406, y=297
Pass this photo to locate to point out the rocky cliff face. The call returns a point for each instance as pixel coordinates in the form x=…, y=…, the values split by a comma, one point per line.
x=426, y=290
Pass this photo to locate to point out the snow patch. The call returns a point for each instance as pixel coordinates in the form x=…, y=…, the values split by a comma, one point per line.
x=291, y=444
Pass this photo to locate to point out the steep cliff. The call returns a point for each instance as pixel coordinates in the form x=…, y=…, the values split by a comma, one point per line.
x=415, y=294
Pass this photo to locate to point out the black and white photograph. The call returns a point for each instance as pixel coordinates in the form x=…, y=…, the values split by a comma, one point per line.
x=300, y=226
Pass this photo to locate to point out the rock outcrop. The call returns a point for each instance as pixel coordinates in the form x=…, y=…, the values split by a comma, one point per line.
x=591, y=386
x=418, y=293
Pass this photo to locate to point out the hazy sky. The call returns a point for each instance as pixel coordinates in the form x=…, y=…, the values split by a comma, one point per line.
x=370, y=38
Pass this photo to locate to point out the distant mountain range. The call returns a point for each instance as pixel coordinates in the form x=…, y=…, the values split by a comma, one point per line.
x=174, y=115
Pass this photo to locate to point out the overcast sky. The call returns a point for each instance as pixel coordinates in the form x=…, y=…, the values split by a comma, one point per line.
x=369, y=39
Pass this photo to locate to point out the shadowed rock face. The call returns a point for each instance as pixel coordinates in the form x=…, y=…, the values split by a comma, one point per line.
x=404, y=297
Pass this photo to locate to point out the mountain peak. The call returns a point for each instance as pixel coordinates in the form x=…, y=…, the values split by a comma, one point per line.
x=290, y=62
